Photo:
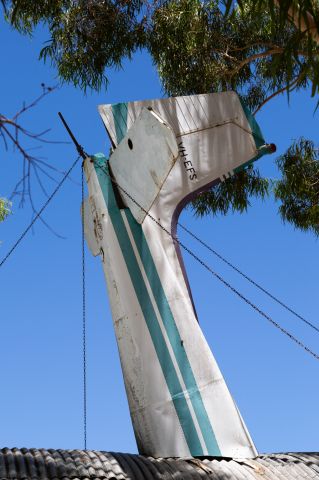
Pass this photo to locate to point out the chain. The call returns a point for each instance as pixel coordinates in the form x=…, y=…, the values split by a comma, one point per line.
x=249, y=279
x=83, y=278
x=38, y=213
x=83, y=316
x=216, y=275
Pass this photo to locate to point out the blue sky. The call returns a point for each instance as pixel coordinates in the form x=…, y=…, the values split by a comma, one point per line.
x=275, y=383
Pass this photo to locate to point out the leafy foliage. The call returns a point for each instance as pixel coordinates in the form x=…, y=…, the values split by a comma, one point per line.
x=5, y=209
x=87, y=36
x=204, y=52
x=251, y=50
x=298, y=190
x=248, y=53
x=232, y=194
x=302, y=11
x=259, y=48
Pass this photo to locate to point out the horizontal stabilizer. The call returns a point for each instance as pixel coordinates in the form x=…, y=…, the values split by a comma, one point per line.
x=142, y=161
x=185, y=115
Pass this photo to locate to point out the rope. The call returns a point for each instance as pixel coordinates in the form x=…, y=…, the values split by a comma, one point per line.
x=249, y=279
x=216, y=275
x=23, y=234
x=83, y=316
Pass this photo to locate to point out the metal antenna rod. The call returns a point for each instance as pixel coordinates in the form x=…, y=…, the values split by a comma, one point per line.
x=78, y=147
x=84, y=155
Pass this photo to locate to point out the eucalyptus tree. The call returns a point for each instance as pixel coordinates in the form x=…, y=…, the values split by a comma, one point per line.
x=260, y=49
x=260, y=57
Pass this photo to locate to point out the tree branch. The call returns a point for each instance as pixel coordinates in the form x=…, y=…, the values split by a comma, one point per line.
x=34, y=169
x=291, y=86
x=256, y=56
x=304, y=22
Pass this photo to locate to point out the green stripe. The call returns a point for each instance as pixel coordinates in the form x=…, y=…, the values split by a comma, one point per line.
x=166, y=314
x=149, y=314
x=119, y=111
x=255, y=128
x=257, y=136
x=174, y=337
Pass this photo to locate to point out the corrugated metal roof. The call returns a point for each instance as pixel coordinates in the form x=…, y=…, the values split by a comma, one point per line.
x=41, y=464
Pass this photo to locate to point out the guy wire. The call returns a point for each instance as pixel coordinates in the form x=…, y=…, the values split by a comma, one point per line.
x=215, y=274
x=227, y=262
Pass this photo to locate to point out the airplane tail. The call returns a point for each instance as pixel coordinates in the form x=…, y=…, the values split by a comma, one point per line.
x=167, y=151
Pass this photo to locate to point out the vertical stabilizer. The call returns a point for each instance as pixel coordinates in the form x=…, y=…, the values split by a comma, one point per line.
x=168, y=151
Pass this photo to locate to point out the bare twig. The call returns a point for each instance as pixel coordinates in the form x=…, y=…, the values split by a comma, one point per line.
x=34, y=168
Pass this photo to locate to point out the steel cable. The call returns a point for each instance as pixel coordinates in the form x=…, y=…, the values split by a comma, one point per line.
x=215, y=274
x=83, y=280
x=270, y=295
x=175, y=239
x=39, y=213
